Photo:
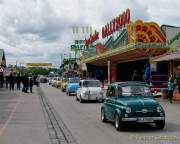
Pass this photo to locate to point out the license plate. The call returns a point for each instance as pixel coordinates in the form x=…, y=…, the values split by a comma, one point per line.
x=142, y=120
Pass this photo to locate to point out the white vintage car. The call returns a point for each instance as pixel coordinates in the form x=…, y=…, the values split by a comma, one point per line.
x=89, y=90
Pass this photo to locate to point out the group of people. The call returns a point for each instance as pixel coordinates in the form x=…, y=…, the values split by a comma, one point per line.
x=25, y=80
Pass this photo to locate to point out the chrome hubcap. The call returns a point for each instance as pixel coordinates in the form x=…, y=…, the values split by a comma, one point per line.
x=116, y=122
x=102, y=115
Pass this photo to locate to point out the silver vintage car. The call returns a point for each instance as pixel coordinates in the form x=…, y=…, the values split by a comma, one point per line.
x=89, y=90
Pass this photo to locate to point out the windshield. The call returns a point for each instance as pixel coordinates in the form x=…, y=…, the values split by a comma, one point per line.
x=74, y=80
x=91, y=83
x=133, y=90
x=59, y=78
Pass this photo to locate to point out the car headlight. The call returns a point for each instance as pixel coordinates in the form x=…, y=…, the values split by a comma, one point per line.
x=128, y=110
x=86, y=93
x=159, y=109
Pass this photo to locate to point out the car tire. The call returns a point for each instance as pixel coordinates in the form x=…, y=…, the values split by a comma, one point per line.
x=103, y=116
x=118, y=123
x=160, y=124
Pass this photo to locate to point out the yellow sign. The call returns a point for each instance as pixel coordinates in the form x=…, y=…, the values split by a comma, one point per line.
x=49, y=65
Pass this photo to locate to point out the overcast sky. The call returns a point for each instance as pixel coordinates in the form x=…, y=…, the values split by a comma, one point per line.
x=39, y=30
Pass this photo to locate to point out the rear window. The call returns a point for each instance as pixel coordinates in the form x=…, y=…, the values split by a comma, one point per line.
x=91, y=83
x=74, y=80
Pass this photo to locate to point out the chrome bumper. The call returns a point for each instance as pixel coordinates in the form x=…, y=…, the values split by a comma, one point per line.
x=92, y=97
x=146, y=118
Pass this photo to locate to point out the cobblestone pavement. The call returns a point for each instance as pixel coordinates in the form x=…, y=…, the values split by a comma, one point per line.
x=21, y=118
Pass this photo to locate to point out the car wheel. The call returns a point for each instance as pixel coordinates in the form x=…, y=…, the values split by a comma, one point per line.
x=118, y=123
x=160, y=124
x=81, y=100
x=69, y=94
x=103, y=116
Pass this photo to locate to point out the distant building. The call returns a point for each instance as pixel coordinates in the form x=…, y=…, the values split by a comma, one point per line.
x=2, y=58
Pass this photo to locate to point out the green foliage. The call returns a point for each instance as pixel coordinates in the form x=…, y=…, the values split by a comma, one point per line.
x=39, y=71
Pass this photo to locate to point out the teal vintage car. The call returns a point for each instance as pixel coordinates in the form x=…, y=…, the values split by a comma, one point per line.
x=131, y=102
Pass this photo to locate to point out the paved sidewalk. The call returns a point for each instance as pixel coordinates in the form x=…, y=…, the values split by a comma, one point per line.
x=21, y=118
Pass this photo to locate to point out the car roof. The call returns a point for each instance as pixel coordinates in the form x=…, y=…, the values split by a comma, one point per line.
x=89, y=80
x=125, y=83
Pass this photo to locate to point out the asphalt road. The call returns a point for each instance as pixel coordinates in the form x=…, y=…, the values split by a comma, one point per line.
x=83, y=120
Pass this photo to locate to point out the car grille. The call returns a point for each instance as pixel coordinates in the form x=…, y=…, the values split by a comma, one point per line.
x=145, y=111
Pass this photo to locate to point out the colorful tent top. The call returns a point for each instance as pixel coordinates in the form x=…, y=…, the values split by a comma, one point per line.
x=145, y=32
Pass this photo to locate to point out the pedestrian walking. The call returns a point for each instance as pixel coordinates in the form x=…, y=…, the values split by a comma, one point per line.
x=31, y=83
x=25, y=81
x=147, y=73
x=18, y=81
x=22, y=80
x=35, y=80
x=7, y=80
x=170, y=88
x=178, y=80
x=11, y=81
x=1, y=80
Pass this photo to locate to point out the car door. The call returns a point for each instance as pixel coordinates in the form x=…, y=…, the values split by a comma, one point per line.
x=110, y=102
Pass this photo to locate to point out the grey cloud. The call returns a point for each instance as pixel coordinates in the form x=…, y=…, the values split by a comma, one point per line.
x=39, y=30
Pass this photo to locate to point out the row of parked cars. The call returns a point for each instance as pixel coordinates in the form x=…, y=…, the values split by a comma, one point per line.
x=83, y=89
x=124, y=102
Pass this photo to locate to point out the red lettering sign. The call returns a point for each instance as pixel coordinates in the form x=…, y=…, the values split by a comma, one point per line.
x=92, y=38
x=116, y=24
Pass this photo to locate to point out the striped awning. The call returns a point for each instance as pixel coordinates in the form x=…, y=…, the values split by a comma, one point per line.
x=167, y=57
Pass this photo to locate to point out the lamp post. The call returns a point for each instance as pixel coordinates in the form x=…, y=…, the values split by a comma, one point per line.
x=109, y=71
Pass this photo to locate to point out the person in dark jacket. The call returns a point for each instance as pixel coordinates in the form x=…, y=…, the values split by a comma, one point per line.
x=22, y=80
x=170, y=88
x=1, y=80
x=11, y=81
x=18, y=81
x=25, y=81
x=31, y=83
x=7, y=81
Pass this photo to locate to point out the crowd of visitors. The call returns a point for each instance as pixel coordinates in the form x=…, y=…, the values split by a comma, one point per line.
x=24, y=82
